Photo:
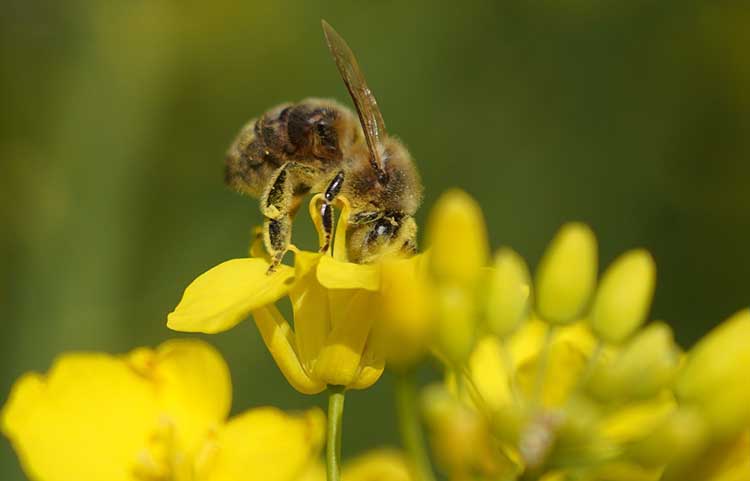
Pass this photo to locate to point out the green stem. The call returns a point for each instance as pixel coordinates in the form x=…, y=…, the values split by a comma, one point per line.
x=543, y=362
x=409, y=426
x=511, y=370
x=333, y=444
x=591, y=364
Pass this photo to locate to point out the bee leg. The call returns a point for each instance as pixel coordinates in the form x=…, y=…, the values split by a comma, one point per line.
x=277, y=234
x=326, y=210
x=278, y=204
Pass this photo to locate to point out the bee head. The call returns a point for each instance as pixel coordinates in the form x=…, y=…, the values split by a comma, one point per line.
x=391, y=234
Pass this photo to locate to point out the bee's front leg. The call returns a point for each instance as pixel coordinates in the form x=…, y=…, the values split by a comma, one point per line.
x=326, y=209
x=278, y=204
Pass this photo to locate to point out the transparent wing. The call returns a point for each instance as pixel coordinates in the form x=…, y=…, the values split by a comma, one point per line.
x=367, y=107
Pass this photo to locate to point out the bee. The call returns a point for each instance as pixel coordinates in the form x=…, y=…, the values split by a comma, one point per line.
x=320, y=146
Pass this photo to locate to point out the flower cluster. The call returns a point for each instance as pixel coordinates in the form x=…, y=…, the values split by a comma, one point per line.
x=554, y=377
x=560, y=379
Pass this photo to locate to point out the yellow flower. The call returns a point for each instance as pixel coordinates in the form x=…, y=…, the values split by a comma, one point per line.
x=335, y=304
x=151, y=415
x=348, y=318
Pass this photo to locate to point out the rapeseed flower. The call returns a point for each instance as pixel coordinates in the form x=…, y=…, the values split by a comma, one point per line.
x=151, y=415
x=333, y=339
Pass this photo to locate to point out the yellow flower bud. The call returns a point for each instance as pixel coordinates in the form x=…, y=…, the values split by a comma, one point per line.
x=624, y=296
x=457, y=237
x=566, y=275
x=460, y=437
x=728, y=460
x=406, y=322
x=508, y=293
x=675, y=439
x=715, y=376
x=456, y=322
x=647, y=364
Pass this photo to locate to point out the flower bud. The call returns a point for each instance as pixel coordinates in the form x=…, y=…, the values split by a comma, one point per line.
x=624, y=296
x=456, y=322
x=566, y=275
x=508, y=293
x=675, y=439
x=647, y=364
x=459, y=436
x=407, y=311
x=727, y=460
x=457, y=237
x=715, y=376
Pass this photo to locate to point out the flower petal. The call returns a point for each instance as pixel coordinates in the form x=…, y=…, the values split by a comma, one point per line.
x=310, y=307
x=489, y=372
x=223, y=296
x=372, y=365
x=635, y=421
x=334, y=274
x=194, y=387
x=351, y=322
x=568, y=352
x=87, y=420
x=340, y=246
x=279, y=339
x=264, y=443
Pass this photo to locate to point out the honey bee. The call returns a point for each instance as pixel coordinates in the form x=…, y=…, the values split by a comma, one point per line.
x=320, y=146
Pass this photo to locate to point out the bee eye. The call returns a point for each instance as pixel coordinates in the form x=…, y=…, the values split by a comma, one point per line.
x=326, y=134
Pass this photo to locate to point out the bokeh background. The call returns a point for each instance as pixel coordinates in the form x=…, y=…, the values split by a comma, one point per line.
x=633, y=116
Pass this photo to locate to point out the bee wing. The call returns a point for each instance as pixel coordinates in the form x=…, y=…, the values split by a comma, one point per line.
x=367, y=107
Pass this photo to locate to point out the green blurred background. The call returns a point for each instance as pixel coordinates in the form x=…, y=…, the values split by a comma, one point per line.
x=633, y=116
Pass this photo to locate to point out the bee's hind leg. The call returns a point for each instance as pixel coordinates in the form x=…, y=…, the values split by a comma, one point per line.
x=278, y=204
x=277, y=234
x=326, y=209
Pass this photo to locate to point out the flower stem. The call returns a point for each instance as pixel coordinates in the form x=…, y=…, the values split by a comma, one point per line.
x=542, y=364
x=409, y=426
x=333, y=443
